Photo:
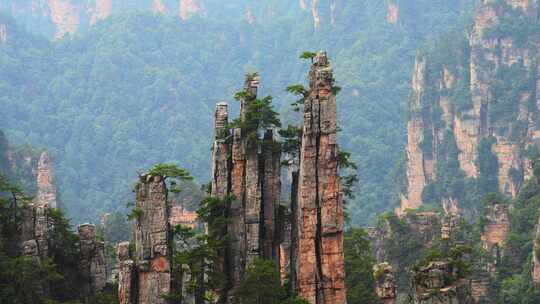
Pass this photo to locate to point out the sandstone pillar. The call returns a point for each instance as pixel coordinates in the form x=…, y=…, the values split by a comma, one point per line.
x=92, y=263
x=126, y=275
x=320, y=266
x=152, y=240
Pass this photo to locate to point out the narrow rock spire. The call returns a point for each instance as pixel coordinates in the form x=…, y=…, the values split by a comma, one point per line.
x=320, y=266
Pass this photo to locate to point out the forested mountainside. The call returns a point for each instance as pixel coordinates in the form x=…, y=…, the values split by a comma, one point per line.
x=136, y=88
x=474, y=110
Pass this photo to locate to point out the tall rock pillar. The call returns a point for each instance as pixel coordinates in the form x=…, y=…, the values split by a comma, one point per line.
x=152, y=240
x=92, y=263
x=247, y=169
x=46, y=187
x=320, y=266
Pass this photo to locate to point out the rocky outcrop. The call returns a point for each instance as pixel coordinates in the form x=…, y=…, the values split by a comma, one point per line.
x=159, y=7
x=36, y=226
x=247, y=169
x=182, y=216
x=127, y=279
x=536, y=256
x=320, y=265
x=46, y=187
x=92, y=260
x=385, y=283
x=457, y=105
x=101, y=10
x=189, y=8
x=152, y=240
x=393, y=13
x=3, y=33
x=480, y=289
x=495, y=230
x=432, y=285
x=65, y=15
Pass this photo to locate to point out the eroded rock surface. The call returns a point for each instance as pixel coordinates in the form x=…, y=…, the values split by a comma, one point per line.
x=46, y=187
x=385, y=283
x=432, y=285
x=92, y=261
x=320, y=266
x=496, y=228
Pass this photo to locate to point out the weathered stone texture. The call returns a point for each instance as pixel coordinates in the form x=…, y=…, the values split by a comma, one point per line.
x=320, y=266
x=385, y=283
x=495, y=231
x=92, y=260
x=431, y=286
x=152, y=240
x=536, y=256
x=248, y=171
x=46, y=187
x=481, y=62
x=181, y=216
x=126, y=275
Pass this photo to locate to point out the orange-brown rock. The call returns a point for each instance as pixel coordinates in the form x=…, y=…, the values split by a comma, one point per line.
x=65, y=15
x=480, y=289
x=189, y=8
x=248, y=171
x=393, y=13
x=496, y=228
x=159, y=7
x=101, y=10
x=483, y=58
x=46, y=187
x=320, y=265
x=536, y=256
x=181, y=216
x=152, y=244
x=126, y=275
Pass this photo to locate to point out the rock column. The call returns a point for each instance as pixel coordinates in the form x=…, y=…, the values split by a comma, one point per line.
x=536, y=256
x=152, y=240
x=126, y=275
x=247, y=170
x=320, y=266
x=385, y=283
x=92, y=263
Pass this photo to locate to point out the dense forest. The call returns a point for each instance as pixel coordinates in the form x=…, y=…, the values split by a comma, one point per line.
x=101, y=121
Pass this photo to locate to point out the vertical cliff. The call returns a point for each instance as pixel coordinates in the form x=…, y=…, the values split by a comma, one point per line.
x=495, y=230
x=473, y=108
x=247, y=169
x=536, y=256
x=92, y=262
x=152, y=240
x=320, y=262
x=46, y=187
x=127, y=276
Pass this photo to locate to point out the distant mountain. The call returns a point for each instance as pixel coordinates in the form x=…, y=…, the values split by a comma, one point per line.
x=139, y=87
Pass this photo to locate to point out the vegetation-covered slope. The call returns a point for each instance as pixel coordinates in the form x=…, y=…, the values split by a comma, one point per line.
x=137, y=89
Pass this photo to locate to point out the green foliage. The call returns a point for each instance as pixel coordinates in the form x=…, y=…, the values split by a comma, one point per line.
x=135, y=214
x=115, y=228
x=359, y=265
x=261, y=284
x=308, y=55
x=290, y=143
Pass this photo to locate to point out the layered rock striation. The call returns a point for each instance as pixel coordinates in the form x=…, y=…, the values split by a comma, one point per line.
x=92, y=260
x=246, y=170
x=320, y=265
x=46, y=186
x=385, y=283
x=432, y=286
x=473, y=108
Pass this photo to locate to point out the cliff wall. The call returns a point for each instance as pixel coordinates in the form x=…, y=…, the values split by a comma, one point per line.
x=473, y=108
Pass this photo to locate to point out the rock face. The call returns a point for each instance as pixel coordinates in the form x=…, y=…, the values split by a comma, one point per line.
x=248, y=170
x=102, y=10
x=536, y=256
x=35, y=227
x=181, y=216
x=152, y=240
x=320, y=265
x=46, y=187
x=393, y=13
x=385, y=285
x=126, y=275
x=189, y=8
x=92, y=262
x=3, y=33
x=65, y=15
x=458, y=106
x=432, y=286
x=495, y=231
